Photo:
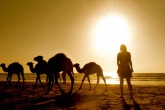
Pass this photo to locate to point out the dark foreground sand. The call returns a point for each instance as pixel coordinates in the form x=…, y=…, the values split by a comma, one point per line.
x=146, y=97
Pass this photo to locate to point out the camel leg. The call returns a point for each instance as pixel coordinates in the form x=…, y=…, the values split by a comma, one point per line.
x=104, y=82
x=50, y=77
x=72, y=82
x=56, y=81
x=36, y=81
x=59, y=77
x=10, y=77
x=52, y=81
x=18, y=78
x=64, y=77
x=97, y=82
x=82, y=81
x=40, y=82
x=47, y=79
x=7, y=78
x=89, y=82
x=22, y=74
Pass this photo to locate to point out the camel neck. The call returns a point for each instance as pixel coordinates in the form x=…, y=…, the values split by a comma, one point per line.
x=79, y=69
x=4, y=69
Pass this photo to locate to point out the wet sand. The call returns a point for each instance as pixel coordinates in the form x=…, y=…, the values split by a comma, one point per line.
x=146, y=97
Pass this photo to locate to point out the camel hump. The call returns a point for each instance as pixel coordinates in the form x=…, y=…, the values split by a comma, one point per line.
x=60, y=56
x=93, y=66
x=16, y=67
x=60, y=62
x=57, y=59
x=16, y=64
x=92, y=63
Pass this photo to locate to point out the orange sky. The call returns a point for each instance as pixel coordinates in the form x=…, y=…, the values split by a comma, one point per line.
x=30, y=28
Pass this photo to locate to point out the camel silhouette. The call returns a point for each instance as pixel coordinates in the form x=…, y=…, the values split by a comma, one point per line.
x=13, y=68
x=59, y=63
x=88, y=69
x=42, y=62
x=40, y=68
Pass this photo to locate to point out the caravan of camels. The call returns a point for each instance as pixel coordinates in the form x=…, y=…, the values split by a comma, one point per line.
x=52, y=68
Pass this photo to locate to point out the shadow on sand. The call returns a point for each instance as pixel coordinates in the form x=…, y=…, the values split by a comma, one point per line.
x=128, y=107
x=4, y=88
x=125, y=105
x=49, y=102
x=136, y=105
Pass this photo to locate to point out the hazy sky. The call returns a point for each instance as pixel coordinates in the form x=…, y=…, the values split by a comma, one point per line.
x=29, y=28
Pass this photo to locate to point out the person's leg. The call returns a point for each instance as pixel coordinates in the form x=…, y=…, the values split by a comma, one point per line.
x=121, y=86
x=129, y=86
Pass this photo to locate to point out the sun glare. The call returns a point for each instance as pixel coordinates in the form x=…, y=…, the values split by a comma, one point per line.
x=111, y=78
x=110, y=32
x=111, y=74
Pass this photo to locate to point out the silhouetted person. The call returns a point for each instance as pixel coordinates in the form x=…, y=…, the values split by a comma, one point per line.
x=125, y=68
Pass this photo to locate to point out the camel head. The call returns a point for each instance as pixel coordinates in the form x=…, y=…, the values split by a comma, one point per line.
x=38, y=58
x=2, y=65
x=76, y=65
x=78, y=68
x=29, y=63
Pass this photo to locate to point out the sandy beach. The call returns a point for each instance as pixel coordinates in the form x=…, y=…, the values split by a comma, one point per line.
x=146, y=97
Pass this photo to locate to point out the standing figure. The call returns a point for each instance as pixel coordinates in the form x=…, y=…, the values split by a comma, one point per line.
x=125, y=68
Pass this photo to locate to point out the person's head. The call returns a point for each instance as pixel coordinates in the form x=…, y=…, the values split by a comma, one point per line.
x=123, y=48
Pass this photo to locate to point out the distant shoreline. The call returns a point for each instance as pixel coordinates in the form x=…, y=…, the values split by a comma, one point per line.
x=138, y=78
x=116, y=73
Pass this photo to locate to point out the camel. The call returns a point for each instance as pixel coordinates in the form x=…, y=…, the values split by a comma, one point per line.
x=59, y=63
x=40, y=60
x=14, y=68
x=40, y=68
x=88, y=69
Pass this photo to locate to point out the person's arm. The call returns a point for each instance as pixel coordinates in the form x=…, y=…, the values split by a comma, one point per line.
x=130, y=61
x=118, y=63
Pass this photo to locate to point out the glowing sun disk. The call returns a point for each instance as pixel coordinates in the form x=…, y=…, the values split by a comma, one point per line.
x=110, y=32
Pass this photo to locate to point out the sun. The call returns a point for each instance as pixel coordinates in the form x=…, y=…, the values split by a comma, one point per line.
x=110, y=32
